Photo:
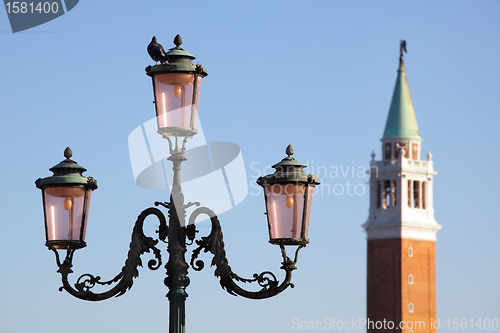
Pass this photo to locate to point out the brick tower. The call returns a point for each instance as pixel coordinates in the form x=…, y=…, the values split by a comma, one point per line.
x=401, y=229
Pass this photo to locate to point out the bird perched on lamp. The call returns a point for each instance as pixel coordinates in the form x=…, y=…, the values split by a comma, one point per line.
x=157, y=53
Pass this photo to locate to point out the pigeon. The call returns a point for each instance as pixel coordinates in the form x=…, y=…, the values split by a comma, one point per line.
x=157, y=53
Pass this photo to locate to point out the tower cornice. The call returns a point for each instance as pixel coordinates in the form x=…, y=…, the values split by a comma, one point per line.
x=403, y=166
x=405, y=230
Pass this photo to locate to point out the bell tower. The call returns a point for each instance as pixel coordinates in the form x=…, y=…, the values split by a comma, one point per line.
x=401, y=229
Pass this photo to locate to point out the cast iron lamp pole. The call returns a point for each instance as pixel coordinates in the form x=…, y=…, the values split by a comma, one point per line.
x=177, y=268
x=66, y=201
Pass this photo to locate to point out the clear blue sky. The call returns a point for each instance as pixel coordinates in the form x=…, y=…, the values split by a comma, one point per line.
x=317, y=74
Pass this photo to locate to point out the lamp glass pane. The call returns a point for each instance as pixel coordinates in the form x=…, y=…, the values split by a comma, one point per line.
x=174, y=98
x=64, y=211
x=285, y=207
x=89, y=196
x=310, y=191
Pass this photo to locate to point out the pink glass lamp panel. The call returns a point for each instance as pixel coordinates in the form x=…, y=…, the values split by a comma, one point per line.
x=310, y=192
x=174, y=97
x=64, y=210
x=285, y=204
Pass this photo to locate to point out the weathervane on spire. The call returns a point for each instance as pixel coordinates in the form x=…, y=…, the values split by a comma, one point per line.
x=402, y=48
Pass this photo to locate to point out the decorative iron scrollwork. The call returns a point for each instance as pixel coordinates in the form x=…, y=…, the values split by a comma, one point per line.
x=139, y=245
x=214, y=244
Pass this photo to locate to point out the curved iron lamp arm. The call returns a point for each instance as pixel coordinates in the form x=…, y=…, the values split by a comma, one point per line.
x=138, y=246
x=214, y=244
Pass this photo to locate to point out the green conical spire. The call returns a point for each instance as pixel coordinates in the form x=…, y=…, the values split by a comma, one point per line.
x=401, y=122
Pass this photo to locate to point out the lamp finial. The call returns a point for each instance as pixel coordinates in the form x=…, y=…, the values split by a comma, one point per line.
x=178, y=40
x=68, y=153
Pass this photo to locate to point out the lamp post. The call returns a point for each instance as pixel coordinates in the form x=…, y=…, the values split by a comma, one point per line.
x=66, y=202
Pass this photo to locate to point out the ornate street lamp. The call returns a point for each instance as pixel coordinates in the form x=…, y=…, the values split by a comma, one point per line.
x=177, y=85
x=66, y=198
x=288, y=194
x=66, y=203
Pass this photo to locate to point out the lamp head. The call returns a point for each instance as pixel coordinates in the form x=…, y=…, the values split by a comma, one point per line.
x=176, y=86
x=288, y=194
x=66, y=202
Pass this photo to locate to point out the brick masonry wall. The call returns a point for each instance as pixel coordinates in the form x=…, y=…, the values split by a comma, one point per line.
x=389, y=292
x=422, y=293
x=384, y=282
